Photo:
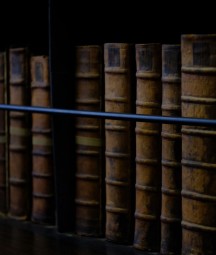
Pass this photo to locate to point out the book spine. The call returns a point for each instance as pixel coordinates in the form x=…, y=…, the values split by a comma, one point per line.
x=89, y=141
x=3, y=135
x=43, y=206
x=118, y=59
x=171, y=151
x=198, y=144
x=20, y=140
x=148, y=148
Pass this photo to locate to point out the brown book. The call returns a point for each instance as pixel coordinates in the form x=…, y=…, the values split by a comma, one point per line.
x=119, y=136
x=89, y=134
x=148, y=148
x=198, y=144
x=3, y=135
x=43, y=206
x=171, y=151
x=20, y=139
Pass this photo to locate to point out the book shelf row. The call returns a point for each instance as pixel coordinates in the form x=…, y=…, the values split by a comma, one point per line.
x=142, y=183
x=26, y=144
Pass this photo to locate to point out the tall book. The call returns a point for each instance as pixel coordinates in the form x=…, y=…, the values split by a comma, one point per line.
x=119, y=139
x=19, y=132
x=198, y=144
x=43, y=206
x=171, y=151
x=148, y=148
x=89, y=134
x=3, y=135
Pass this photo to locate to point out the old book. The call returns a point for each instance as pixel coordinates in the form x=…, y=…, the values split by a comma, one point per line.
x=19, y=132
x=43, y=206
x=119, y=140
x=198, y=144
x=3, y=135
x=89, y=136
x=171, y=151
x=148, y=148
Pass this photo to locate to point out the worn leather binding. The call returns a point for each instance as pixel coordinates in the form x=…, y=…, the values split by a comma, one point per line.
x=89, y=134
x=20, y=139
x=148, y=148
x=198, y=144
x=118, y=60
x=3, y=135
x=43, y=206
x=171, y=151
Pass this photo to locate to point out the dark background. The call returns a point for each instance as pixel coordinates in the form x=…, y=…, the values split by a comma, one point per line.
x=24, y=23
x=85, y=22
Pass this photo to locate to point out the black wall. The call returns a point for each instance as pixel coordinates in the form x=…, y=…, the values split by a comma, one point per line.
x=83, y=22
x=24, y=23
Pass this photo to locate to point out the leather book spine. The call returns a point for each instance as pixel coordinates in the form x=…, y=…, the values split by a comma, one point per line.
x=148, y=148
x=3, y=135
x=20, y=135
x=89, y=140
x=43, y=200
x=198, y=144
x=171, y=151
x=118, y=60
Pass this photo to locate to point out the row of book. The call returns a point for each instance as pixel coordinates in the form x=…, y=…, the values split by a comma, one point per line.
x=142, y=183
x=26, y=169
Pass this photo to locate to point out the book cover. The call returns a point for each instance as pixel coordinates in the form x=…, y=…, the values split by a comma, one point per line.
x=3, y=135
x=148, y=148
x=89, y=142
x=43, y=199
x=19, y=135
x=171, y=151
x=198, y=100
x=119, y=137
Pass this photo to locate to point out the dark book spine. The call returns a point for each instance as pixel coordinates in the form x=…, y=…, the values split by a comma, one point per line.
x=20, y=139
x=43, y=206
x=148, y=148
x=89, y=136
x=198, y=144
x=3, y=135
x=171, y=151
x=118, y=59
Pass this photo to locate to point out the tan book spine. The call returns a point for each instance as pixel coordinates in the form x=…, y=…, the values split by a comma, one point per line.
x=198, y=144
x=148, y=148
x=89, y=135
x=43, y=206
x=118, y=59
x=20, y=140
x=3, y=135
x=171, y=151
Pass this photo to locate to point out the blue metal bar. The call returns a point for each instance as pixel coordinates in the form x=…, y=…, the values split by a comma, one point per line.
x=110, y=115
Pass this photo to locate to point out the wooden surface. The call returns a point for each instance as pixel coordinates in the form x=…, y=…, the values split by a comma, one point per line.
x=32, y=239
